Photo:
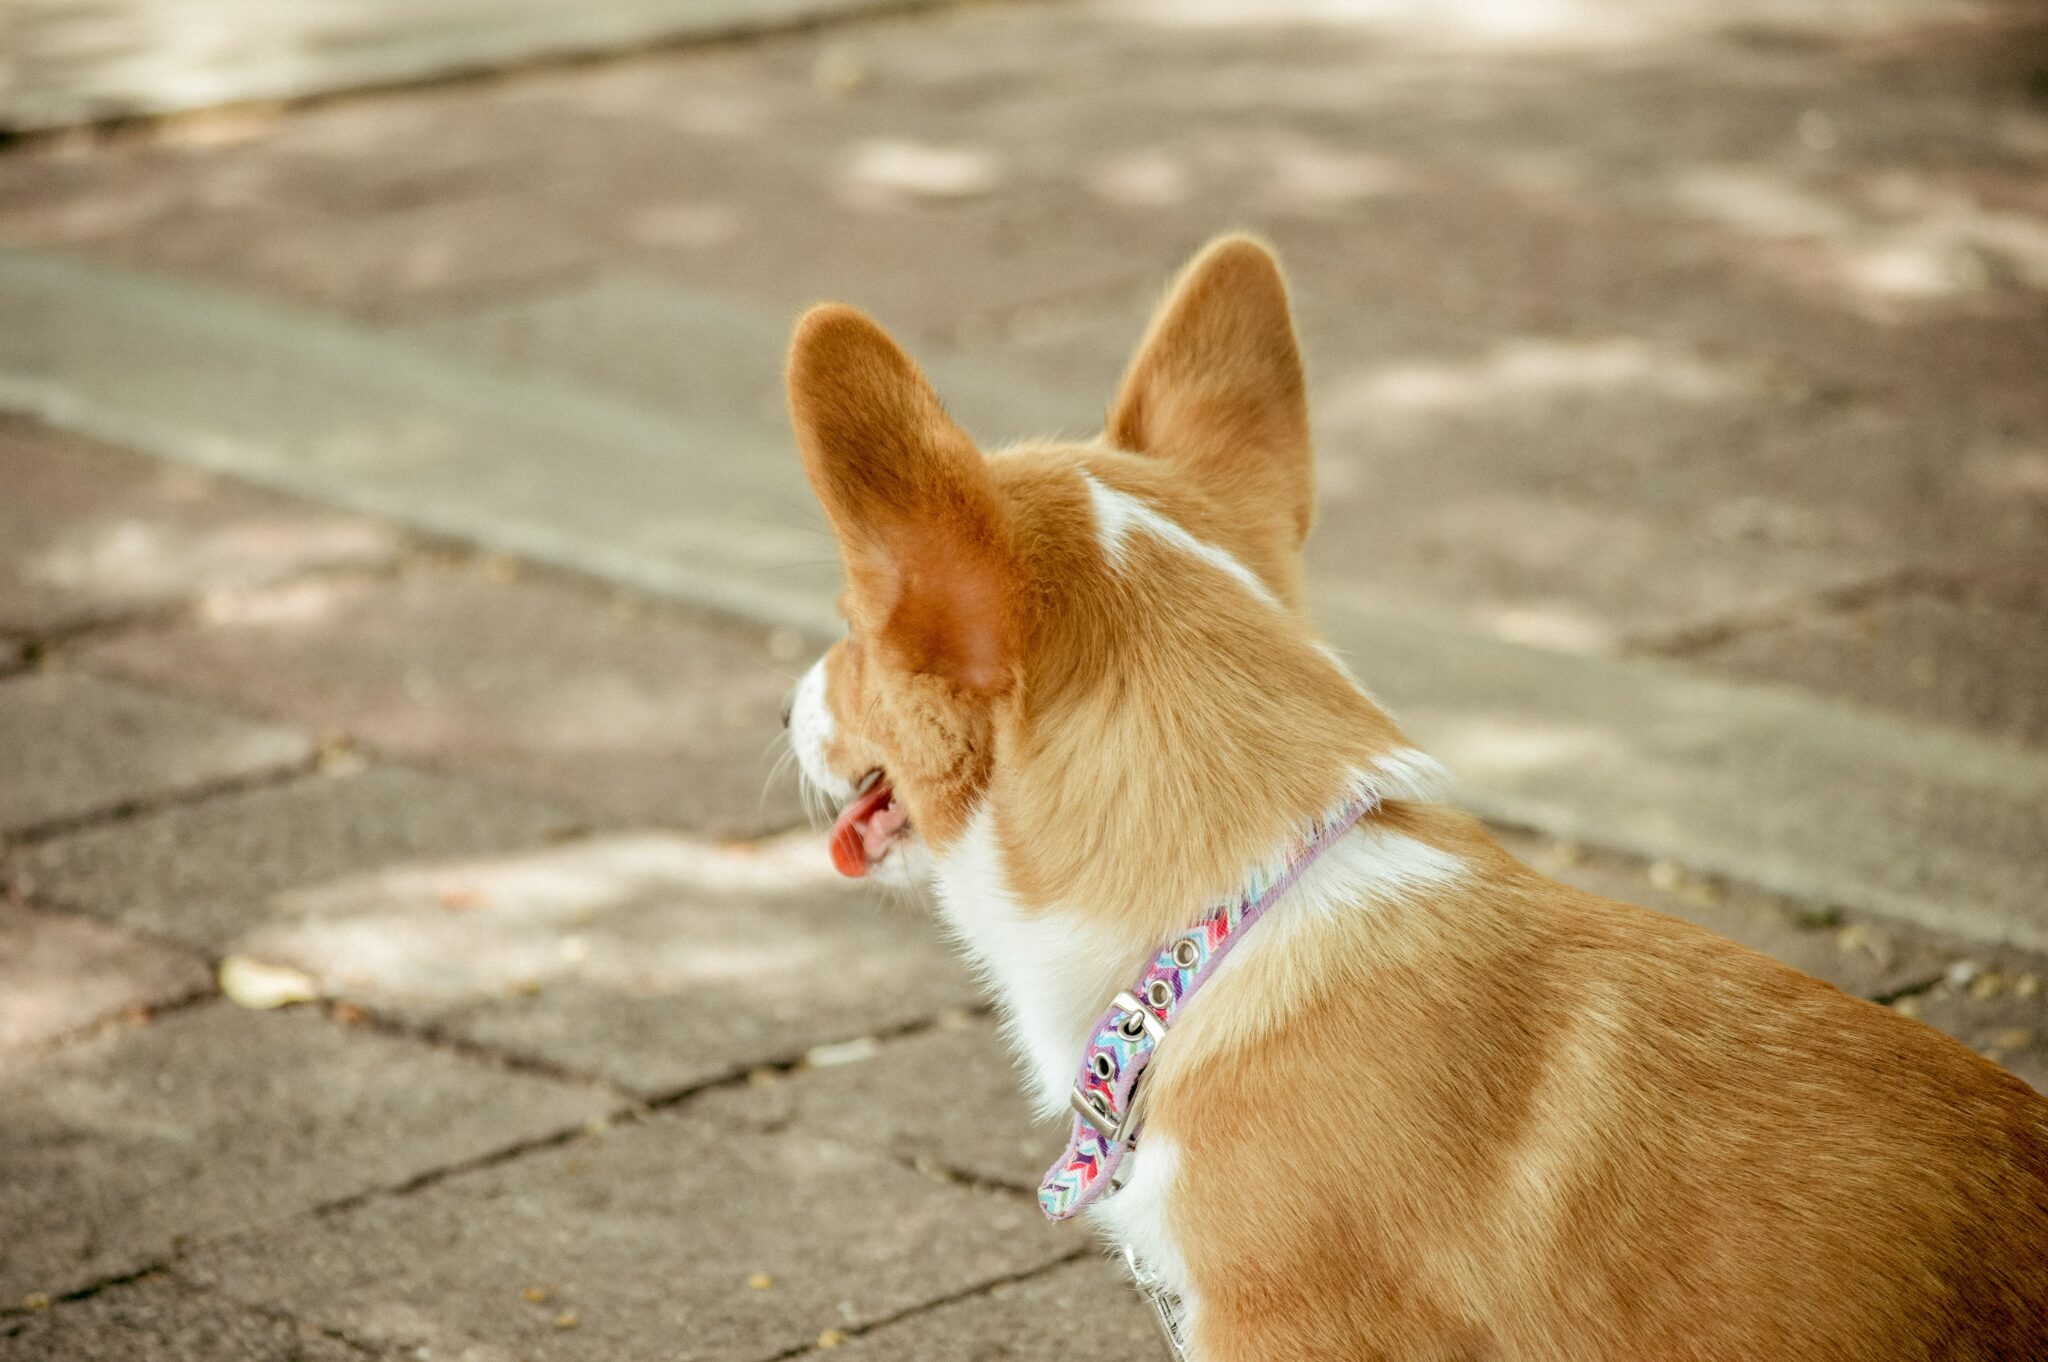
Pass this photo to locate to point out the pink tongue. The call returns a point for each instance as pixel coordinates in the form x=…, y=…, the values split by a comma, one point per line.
x=863, y=831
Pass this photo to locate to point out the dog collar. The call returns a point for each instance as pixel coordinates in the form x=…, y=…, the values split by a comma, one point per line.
x=1107, y=1099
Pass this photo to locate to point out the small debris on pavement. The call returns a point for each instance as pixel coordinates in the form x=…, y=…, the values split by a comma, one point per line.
x=536, y=1295
x=260, y=986
x=35, y=1300
x=567, y=1320
x=460, y=898
x=832, y=1338
x=843, y=1052
x=760, y=1281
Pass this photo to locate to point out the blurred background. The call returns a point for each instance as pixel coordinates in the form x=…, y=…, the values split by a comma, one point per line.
x=406, y=950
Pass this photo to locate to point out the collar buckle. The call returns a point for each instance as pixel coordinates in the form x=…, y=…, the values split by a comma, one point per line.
x=1138, y=1021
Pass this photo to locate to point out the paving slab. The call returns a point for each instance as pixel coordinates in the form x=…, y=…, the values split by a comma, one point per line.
x=210, y=874
x=89, y=532
x=641, y=1243
x=1975, y=662
x=79, y=745
x=160, y=1319
x=134, y=1142
x=881, y=1097
x=60, y=974
x=634, y=716
x=658, y=962
x=151, y=56
x=1085, y=1311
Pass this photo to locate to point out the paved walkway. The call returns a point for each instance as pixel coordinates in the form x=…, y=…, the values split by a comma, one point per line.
x=605, y=1063
x=1711, y=338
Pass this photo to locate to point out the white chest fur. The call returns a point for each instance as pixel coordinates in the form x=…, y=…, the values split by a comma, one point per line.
x=1053, y=972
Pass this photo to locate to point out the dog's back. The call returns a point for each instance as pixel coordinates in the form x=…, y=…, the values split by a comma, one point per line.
x=1512, y=1120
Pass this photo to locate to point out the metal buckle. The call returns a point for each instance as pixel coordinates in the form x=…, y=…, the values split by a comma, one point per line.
x=1138, y=1020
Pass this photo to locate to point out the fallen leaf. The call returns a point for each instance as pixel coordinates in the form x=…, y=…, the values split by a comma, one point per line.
x=259, y=985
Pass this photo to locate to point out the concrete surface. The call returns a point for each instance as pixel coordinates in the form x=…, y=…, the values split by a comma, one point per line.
x=144, y=1140
x=89, y=533
x=212, y=874
x=61, y=974
x=64, y=64
x=626, y=714
x=162, y=1320
x=78, y=745
x=636, y=1239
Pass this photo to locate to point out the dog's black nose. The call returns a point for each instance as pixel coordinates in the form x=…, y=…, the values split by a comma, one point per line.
x=788, y=706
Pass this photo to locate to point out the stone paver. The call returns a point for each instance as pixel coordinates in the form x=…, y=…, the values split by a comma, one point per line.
x=210, y=873
x=976, y=1123
x=89, y=532
x=1086, y=1310
x=60, y=974
x=641, y=717
x=62, y=67
x=143, y=1138
x=641, y=1243
x=1976, y=662
x=657, y=962
x=160, y=1319
x=78, y=745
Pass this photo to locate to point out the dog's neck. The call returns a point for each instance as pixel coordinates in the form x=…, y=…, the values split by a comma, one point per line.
x=1053, y=969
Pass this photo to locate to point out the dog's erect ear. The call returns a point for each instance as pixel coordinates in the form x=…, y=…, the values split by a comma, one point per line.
x=926, y=543
x=1217, y=380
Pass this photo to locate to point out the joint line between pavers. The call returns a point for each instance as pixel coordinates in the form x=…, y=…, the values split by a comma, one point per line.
x=198, y=793
x=794, y=1063
x=952, y=1298
x=280, y=1316
x=434, y=1037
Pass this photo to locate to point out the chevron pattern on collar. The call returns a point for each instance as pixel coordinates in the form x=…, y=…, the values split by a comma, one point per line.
x=1106, y=1100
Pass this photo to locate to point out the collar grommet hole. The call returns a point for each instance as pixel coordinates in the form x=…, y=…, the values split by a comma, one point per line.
x=1186, y=953
x=1159, y=994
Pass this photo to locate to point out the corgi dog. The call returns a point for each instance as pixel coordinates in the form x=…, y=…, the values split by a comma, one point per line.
x=1432, y=1105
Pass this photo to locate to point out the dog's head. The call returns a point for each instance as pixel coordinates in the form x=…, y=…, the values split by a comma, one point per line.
x=1100, y=647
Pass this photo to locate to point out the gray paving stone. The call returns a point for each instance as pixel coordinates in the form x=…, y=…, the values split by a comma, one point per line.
x=63, y=70
x=159, y=1319
x=643, y=718
x=88, y=532
x=1975, y=662
x=131, y=1143
x=657, y=962
x=640, y=1243
x=212, y=873
x=1083, y=1312
x=78, y=745
x=60, y=974
x=1871, y=959
x=975, y=1122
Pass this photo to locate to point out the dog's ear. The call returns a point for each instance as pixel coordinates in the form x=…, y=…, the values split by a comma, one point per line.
x=1217, y=381
x=927, y=546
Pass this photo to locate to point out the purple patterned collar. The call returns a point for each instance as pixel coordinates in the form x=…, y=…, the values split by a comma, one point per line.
x=1108, y=1104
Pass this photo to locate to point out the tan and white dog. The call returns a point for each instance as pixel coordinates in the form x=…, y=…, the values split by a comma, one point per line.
x=1436, y=1106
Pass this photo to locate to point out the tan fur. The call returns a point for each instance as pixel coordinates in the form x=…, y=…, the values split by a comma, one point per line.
x=1502, y=1120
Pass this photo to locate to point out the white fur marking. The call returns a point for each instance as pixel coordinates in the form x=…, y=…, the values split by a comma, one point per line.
x=1119, y=513
x=1052, y=971
x=810, y=733
x=1136, y=1218
x=1408, y=773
